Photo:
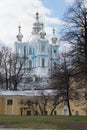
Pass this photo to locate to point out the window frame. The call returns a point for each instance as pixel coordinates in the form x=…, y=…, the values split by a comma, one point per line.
x=43, y=48
x=55, y=51
x=9, y=101
x=30, y=64
x=46, y=112
x=43, y=62
x=30, y=51
x=85, y=95
x=77, y=113
x=55, y=113
x=76, y=96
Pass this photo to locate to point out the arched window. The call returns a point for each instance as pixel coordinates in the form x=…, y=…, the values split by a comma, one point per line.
x=24, y=51
x=43, y=48
x=30, y=64
x=43, y=63
x=19, y=50
x=30, y=51
x=54, y=51
x=55, y=65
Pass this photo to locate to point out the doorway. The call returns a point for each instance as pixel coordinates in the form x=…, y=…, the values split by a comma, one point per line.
x=29, y=113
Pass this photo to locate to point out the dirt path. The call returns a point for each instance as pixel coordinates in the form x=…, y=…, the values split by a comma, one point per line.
x=74, y=125
x=71, y=125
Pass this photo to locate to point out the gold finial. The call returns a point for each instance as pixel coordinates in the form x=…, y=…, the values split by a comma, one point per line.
x=19, y=26
x=37, y=13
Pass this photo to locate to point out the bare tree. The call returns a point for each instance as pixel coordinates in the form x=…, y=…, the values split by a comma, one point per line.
x=5, y=65
x=1, y=75
x=17, y=70
x=11, y=68
x=76, y=33
x=62, y=80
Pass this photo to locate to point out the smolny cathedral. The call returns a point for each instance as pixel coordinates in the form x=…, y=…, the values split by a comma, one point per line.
x=41, y=55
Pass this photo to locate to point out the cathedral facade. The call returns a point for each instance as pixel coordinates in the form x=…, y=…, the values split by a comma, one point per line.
x=41, y=54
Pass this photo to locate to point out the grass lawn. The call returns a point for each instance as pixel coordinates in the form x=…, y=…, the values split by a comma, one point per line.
x=74, y=118
x=38, y=122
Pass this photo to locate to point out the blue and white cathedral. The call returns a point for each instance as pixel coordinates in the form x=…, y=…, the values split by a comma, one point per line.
x=41, y=54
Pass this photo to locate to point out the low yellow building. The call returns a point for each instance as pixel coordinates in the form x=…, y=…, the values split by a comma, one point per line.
x=29, y=103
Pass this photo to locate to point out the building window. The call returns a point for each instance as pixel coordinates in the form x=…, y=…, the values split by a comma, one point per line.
x=19, y=50
x=54, y=65
x=65, y=111
x=46, y=113
x=43, y=63
x=65, y=103
x=24, y=51
x=46, y=101
x=43, y=48
x=86, y=113
x=30, y=64
x=36, y=113
x=54, y=51
x=86, y=96
x=77, y=113
x=30, y=51
x=36, y=102
x=29, y=112
x=47, y=81
x=9, y=102
x=55, y=113
x=76, y=78
x=76, y=96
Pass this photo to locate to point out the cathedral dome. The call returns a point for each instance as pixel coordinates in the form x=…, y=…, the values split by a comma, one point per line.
x=33, y=39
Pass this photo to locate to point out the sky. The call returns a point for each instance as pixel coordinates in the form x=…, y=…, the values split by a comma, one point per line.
x=15, y=12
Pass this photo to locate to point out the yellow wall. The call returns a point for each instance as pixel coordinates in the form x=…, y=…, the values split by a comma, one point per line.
x=15, y=108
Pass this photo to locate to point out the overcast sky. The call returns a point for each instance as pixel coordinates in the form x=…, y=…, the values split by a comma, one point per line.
x=14, y=12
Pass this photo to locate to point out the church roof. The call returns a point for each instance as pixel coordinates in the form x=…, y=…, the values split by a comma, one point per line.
x=34, y=39
x=26, y=92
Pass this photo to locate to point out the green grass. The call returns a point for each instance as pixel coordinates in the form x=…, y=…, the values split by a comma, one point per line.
x=74, y=118
x=34, y=122
x=38, y=122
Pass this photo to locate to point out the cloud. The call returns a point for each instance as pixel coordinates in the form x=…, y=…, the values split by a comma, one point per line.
x=12, y=12
x=85, y=3
x=69, y=1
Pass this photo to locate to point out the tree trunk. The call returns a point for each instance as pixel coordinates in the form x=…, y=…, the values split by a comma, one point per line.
x=68, y=103
x=15, y=85
x=52, y=110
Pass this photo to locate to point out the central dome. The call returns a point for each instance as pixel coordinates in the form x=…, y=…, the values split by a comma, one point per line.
x=33, y=39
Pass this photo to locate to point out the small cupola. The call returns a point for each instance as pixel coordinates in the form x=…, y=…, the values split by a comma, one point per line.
x=19, y=36
x=36, y=25
x=54, y=38
x=42, y=33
